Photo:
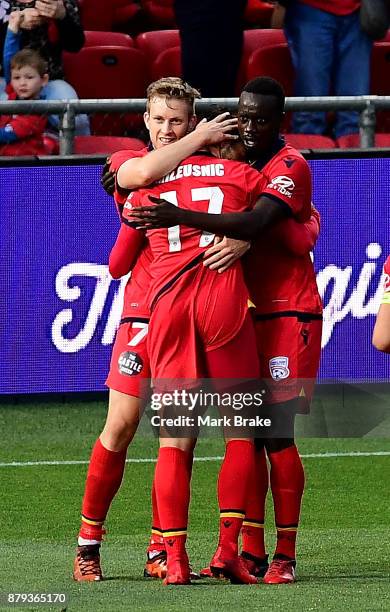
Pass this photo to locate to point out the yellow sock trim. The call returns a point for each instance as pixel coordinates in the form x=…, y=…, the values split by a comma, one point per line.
x=286, y=528
x=232, y=515
x=89, y=522
x=171, y=534
x=157, y=532
x=249, y=524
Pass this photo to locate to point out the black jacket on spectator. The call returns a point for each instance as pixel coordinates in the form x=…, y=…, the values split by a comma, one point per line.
x=51, y=39
x=211, y=33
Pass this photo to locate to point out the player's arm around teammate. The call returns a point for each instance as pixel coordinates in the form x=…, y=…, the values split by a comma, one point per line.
x=381, y=333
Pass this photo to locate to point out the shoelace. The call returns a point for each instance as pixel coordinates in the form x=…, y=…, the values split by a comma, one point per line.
x=276, y=565
x=89, y=565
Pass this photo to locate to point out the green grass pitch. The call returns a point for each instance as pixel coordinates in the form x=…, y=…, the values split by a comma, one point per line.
x=343, y=542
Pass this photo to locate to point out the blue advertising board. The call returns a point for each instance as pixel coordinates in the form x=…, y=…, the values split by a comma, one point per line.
x=60, y=308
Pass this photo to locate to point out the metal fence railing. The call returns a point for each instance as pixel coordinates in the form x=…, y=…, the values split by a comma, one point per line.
x=68, y=109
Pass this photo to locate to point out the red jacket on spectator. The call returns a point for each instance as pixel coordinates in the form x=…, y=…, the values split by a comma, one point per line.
x=28, y=128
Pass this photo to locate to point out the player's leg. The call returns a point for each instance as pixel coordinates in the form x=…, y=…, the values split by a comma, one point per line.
x=108, y=456
x=172, y=485
x=103, y=480
x=296, y=342
x=287, y=486
x=253, y=551
x=174, y=462
x=252, y=535
x=235, y=360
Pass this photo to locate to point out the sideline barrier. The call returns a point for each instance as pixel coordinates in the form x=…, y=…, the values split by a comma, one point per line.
x=67, y=109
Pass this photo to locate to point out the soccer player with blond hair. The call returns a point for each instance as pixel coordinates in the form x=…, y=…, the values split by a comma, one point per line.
x=170, y=120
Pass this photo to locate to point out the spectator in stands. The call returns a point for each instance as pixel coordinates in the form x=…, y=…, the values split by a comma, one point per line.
x=26, y=74
x=49, y=27
x=211, y=33
x=331, y=55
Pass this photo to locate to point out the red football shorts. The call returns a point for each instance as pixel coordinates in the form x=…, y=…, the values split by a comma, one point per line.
x=129, y=368
x=203, y=312
x=289, y=350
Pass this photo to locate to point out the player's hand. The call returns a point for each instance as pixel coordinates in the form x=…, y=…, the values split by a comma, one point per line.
x=51, y=9
x=163, y=214
x=217, y=130
x=107, y=179
x=224, y=253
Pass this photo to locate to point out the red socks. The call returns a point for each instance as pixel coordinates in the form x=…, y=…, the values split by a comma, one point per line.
x=287, y=484
x=156, y=542
x=253, y=525
x=234, y=477
x=104, y=477
x=172, y=482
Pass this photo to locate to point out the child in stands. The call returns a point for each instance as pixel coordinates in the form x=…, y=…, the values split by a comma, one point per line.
x=26, y=74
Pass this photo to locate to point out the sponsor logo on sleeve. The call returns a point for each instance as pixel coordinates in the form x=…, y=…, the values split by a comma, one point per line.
x=130, y=363
x=278, y=367
x=283, y=184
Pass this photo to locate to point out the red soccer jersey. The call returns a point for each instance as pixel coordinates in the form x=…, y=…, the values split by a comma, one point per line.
x=279, y=280
x=134, y=301
x=202, y=183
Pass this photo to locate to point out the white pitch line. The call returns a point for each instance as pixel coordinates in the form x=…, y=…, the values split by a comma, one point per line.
x=152, y=460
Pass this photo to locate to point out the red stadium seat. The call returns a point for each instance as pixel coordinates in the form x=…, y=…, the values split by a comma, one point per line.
x=154, y=43
x=273, y=61
x=90, y=145
x=51, y=143
x=124, y=12
x=168, y=63
x=95, y=38
x=380, y=79
x=258, y=13
x=254, y=40
x=309, y=141
x=160, y=13
x=108, y=72
x=352, y=141
x=386, y=38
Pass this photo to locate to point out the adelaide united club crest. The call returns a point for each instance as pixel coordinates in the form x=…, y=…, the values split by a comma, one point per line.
x=278, y=367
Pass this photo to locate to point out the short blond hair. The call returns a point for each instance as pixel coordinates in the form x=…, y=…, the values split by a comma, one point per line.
x=172, y=88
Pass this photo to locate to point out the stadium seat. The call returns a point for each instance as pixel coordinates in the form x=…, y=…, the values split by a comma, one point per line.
x=90, y=145
x=274, y=61
x=310, y=141
x=51, y=143
x=108, y=72
x=254, y=40
x=125, y=11
x=258, y=13
x=380, y=81
x=386, y=38
x=352, y=141
x=154, y=43
x=168, y=63
x=97, y=15
x=95, y=38
x=160, y=13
